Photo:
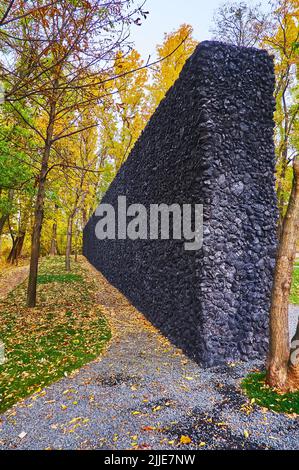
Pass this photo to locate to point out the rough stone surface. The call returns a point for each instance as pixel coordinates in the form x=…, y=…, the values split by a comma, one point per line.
x=210, y=141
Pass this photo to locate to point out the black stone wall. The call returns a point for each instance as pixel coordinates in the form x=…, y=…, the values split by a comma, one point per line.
x=210, y=141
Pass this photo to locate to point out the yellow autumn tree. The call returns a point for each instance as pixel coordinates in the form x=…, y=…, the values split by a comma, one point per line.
x=166, y=72
x=137, y=91
x=125, y=118
x=283, y=44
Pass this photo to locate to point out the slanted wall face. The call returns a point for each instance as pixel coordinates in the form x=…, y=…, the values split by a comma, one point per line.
x=209, y=142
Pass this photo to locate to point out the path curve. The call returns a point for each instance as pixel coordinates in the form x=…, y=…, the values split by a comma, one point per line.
x=11, y=278
x=144, y=393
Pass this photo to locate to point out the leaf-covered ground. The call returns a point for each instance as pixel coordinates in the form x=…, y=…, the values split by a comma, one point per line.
x=255, y=387
x=64, y=331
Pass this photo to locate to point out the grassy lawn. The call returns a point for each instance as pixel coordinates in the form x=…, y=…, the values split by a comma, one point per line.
x=63, y=333
x=295, y=285
x=256, y=389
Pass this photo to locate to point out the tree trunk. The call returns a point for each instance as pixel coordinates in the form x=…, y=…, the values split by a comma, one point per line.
x=69, y=243
x=4, y=217
x=84, y=217
x=70, y=233
x=280, y=192
x=18, y=242
x=39, y=212
x=76, y=244
x=280, y=373
x=36, y=234
x=53, y=247
x=17, y=246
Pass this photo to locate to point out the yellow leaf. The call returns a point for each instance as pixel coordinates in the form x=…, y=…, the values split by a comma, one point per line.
x=157, y=408
x=148, y=428
x=74, y=420
x=246, y=433
x=185, y=440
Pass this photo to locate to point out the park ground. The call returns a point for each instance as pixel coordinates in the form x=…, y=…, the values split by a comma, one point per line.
x=86, y=370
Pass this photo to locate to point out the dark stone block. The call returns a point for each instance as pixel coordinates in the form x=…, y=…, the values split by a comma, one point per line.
x=210, y=141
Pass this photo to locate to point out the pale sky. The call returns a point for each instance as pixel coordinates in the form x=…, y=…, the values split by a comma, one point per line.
x=168, y=15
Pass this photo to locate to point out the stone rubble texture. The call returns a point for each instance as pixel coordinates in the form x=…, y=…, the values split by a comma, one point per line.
x=209, y=142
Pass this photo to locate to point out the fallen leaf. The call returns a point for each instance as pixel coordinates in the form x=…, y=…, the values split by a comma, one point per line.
x=148, y=428
x=185, y=440
x=157, y=408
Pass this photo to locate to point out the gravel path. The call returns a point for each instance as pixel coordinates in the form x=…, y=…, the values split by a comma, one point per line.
x=144, y=393
x=11, y=278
